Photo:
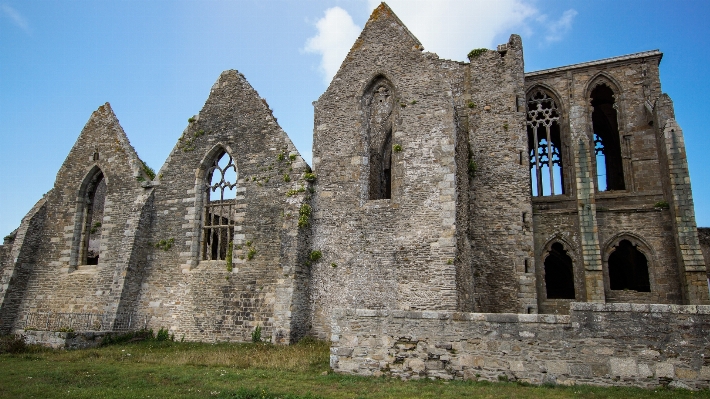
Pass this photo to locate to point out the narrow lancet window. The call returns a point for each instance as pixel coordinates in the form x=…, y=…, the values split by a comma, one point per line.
x=607, y=145
x=559, y=274
x=220, y=210
x=379, y=108
x=93, y=215
x=544, y=145
x=628, y=268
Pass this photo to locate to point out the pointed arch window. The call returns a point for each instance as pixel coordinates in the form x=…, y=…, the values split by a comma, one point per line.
x=90, y=218
x=607, y=143
x=628, y=268
x=559, y=273
x=544, y=144
x=219, y=217
x=378, y=104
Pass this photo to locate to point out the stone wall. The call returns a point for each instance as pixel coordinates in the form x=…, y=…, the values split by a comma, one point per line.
x=597, y=344
x=588, y=221
x=704, y=239
x=397, y=252
x=500, y=222
x=63, y=340
x=200, y=298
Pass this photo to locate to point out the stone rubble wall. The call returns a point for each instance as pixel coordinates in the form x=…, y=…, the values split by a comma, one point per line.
x=597, y=344
x=400, y=252
x=202, y=299
x=63, y=340
x=500, y=221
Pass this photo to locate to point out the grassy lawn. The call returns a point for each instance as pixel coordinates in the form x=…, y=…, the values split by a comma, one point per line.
x=164, y=369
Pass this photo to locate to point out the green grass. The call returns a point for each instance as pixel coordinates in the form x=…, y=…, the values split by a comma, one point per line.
x=164, y=369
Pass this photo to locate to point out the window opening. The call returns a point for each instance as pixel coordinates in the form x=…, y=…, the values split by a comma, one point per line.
x=628, y=268
x=379, y=107
x=544, y=145
x=559, y=275
x=220, y=211
x=607, y=146
x=93, y=217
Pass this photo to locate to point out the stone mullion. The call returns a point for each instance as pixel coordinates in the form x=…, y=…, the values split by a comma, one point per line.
x=586, y=207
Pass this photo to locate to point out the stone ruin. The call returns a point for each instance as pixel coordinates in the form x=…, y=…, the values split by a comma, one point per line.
x=460, y=220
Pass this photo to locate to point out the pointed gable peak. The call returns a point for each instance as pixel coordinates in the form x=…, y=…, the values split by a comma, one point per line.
x=103, y=130
x=383, y=12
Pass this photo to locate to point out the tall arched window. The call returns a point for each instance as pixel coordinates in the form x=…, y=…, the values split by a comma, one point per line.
x=378, y=103
x=607, y=144
x=220, y=210
x=628, y=268
x=91, y=213
x=559, y=273
x=544, y=144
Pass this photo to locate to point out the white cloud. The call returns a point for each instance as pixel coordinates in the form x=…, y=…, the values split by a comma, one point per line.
x=336, y=34
x=451, y=28
x=559, y=28
x=15, y=16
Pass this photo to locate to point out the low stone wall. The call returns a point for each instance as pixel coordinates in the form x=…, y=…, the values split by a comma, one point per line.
x=63, y=340
x=599, y=344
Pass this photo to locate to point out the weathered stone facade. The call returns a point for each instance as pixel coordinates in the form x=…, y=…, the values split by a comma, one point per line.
x=439, y=187
x=598, y=344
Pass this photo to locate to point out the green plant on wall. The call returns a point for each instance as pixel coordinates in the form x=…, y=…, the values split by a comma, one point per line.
x=472, y=168
x=662, y=204
x=256, y=334
x=294, y=191
x=95, y=227
x=471, y=104
x=287, y=178
x=165, y=244
x=476, y=52
x=308, y=176
x=397, y=148
x=304, y=215
x=148, y=170
x=228, y=258
x=315, y=255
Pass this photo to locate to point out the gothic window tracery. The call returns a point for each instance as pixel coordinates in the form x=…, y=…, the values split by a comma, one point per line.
x=219, y=218
x=544, y=144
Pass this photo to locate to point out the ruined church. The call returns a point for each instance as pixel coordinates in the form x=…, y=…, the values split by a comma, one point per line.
x=459, y=220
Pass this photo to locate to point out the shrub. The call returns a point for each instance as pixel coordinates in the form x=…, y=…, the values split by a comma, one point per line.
x=13, y=344
x=163, y=335
x=308, y=176
x=256, y=334
x=476, y=52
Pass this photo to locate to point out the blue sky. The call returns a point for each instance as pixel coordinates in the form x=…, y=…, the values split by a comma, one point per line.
x=155, y=62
